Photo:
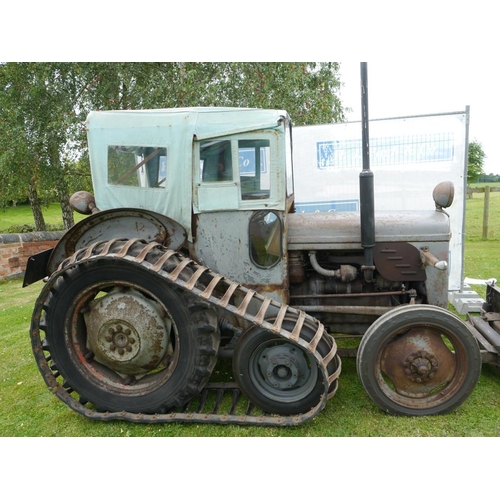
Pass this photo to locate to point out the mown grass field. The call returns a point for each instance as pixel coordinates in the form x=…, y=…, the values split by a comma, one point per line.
x=482, y=257
x=27, y=408
x=12, y=219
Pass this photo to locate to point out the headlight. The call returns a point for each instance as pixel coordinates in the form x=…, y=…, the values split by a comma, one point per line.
x=443, y=194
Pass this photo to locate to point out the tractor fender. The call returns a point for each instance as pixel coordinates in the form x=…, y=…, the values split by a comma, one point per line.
x=118, y=223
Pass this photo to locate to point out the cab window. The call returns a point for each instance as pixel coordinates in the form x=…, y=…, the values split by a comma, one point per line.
x=137, y=166
x=215, y=161
x=254, y=158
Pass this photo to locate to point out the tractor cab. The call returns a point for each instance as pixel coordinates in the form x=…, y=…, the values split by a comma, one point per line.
x=224, y=174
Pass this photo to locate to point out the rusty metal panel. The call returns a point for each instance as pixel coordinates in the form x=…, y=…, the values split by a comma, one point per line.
x=118, y=223
x=222, y=244
x=398, y=261
x=436, y=284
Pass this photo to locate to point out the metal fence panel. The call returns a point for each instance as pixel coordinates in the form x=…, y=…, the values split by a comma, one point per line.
x=409, y=156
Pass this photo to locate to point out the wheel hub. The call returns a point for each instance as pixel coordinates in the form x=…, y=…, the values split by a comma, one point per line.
x=421, y=366
x=411, y=363
x=119, y=340
x=127, y=332
x=282, y=368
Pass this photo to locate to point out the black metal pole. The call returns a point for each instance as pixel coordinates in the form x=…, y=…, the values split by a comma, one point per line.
x=366, y=191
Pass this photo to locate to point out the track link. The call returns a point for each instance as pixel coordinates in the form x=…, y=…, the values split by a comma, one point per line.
x=220, y=403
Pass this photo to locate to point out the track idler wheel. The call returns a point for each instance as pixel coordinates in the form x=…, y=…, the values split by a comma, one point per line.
x=278, y=375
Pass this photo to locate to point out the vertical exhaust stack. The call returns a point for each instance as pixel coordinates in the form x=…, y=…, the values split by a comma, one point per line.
x=366, y=191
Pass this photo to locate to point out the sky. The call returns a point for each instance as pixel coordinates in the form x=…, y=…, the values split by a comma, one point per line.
x=408, y=87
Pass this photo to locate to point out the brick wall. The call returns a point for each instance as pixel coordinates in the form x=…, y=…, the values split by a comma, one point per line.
x=15, y=249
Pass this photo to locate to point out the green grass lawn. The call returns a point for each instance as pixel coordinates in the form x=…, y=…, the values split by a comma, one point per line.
x=12, y=218
x=474, y=218
x=482, y=257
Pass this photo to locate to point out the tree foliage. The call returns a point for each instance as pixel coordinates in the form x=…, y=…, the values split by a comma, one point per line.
x=489, y=178
x=308, y=91
x=38, y=121
x=43, y=108
x=476, y=158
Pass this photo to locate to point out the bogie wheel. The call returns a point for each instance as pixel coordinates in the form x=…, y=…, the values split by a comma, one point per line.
x=276, y=375
x=124, y=340
x=418, y=360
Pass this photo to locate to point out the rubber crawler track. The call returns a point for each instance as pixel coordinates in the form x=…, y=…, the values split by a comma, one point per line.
x=220, y=292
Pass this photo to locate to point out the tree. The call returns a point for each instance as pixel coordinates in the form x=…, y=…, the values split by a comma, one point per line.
x=307, y=90
x=18, y=167
x=476, y=158
x=43, y=108
x=37, y=116
x=489, y=178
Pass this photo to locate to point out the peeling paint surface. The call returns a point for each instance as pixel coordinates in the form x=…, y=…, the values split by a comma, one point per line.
x=222, y=244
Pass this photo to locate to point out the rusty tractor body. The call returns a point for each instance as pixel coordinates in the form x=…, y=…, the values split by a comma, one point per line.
x=192, y=254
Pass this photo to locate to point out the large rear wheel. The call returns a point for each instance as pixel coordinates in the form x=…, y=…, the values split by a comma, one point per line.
x=125, y=340
x=418, y=360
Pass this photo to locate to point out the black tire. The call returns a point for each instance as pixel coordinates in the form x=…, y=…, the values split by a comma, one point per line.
x=418, y=360
x=269, y=390
x=168, y=376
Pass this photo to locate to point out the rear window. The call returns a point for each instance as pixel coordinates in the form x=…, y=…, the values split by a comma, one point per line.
x=138, y=166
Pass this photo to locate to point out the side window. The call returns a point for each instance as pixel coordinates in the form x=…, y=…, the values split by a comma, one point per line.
x=215, y=161
x=254, y=163
x=265, y=239
x=137, y=166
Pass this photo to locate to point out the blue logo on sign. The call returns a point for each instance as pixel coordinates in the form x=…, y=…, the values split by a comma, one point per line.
x=397, y=150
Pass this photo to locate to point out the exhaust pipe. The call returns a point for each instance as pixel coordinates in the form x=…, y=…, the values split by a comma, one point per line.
x=366, y=191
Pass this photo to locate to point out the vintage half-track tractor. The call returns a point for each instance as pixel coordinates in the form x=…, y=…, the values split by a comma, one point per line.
x=192, y=253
